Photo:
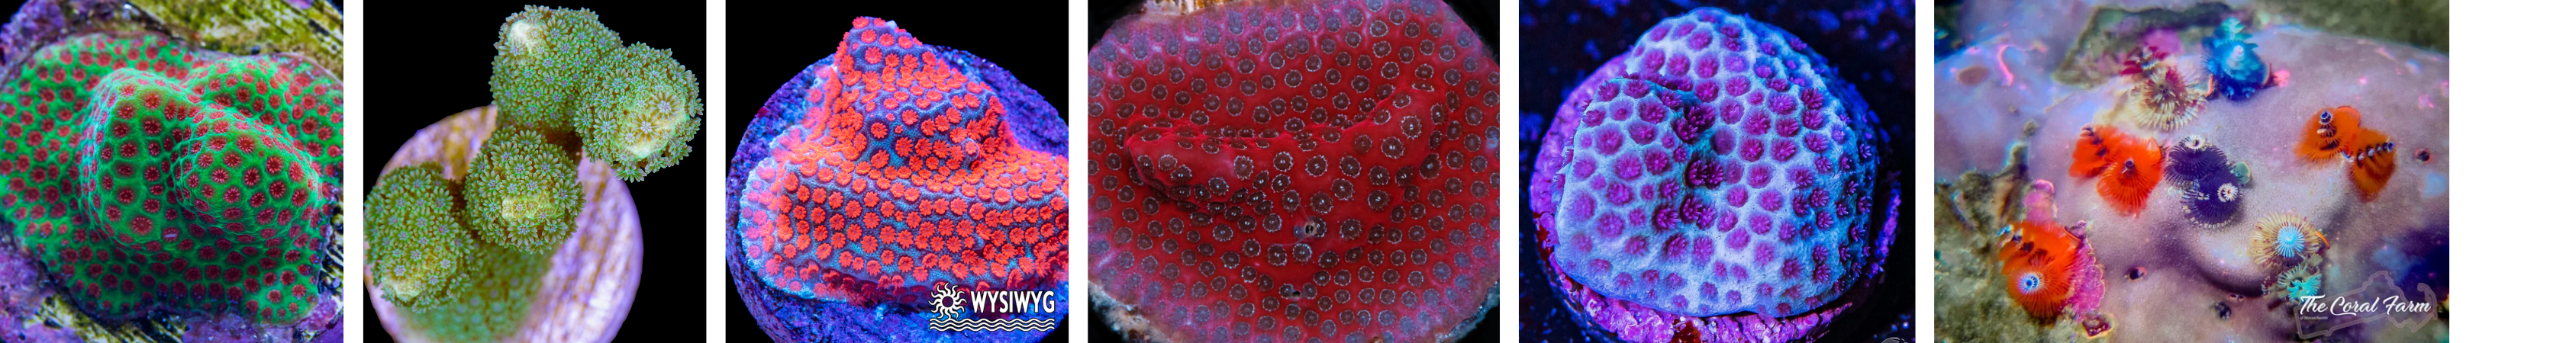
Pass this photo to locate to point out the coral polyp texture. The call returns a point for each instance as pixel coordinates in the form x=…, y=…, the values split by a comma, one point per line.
x=1294, y=171
x=887, y=169
x=1718, y=181
x=149, y=177
x=545, y=63
x=520, y=194
x=508, y=231
x=641, y=111
x=418, y=235
x=561, y=70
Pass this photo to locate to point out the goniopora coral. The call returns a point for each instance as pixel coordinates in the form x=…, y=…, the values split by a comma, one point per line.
x=2129, y=166
x=887, y=169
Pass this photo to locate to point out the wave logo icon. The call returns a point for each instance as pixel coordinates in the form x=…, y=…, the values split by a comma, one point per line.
x=954, y=309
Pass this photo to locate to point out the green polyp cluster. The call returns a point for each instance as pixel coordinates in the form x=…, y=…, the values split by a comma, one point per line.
x=418, y=240
x=630, y=106
x=641, y=112
x=136, y=190
x=503, y=282
x=546, y=56
x=520, y=193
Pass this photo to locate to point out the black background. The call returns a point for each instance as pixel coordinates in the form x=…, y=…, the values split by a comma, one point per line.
x=1479, y=15
x=766, y=48
x=428, y=60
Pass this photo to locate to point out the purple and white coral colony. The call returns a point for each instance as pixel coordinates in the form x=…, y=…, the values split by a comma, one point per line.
x=1717, y=175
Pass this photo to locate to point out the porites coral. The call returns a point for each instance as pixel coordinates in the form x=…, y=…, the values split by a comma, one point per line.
x=640, y=112
x=520, y=192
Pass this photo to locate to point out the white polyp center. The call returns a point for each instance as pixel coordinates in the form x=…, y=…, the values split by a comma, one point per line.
x=659, y=120
x=523, y=34
x=522, y=207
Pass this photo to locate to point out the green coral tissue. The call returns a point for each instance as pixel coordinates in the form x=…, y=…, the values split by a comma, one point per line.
x=462, y=258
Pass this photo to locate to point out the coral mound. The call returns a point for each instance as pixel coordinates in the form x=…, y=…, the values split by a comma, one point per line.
x=888, y=168
x=1295, y=170
x=146, y=175
x=1716, y=177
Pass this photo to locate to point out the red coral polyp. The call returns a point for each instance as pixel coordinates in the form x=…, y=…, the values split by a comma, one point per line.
x=1294, y=170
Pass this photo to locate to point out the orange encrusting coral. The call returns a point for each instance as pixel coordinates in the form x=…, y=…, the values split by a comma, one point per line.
x=2336, y=135
x=2133, y=166
x=2039, y=268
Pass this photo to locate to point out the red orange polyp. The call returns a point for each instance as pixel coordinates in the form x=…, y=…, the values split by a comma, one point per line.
x=2129, y=166
x=2039, y=268
x=2336, y=134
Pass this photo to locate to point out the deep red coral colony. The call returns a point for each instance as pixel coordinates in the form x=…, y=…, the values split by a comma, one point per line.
x=1294, y=170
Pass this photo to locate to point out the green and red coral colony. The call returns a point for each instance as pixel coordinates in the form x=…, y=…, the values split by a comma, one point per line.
x=463, y=258
x=146, y=175
x=1294, y=171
